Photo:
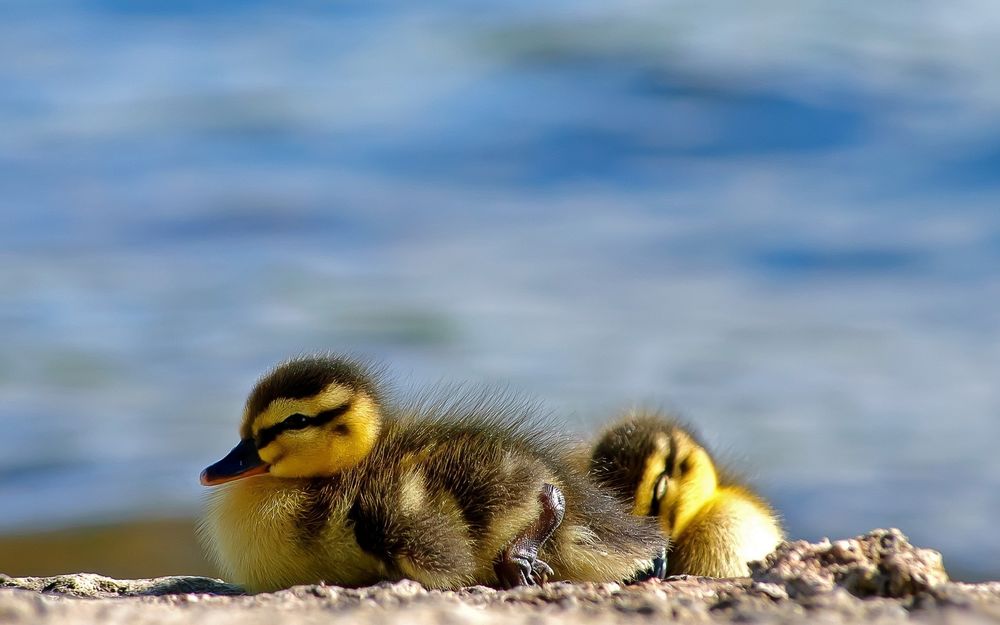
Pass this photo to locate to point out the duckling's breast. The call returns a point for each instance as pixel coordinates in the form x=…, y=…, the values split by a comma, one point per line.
x=257, y=534
x=752, y=526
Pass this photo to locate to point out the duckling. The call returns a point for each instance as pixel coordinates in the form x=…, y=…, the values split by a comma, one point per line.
x=331, y=482
x=715, y=523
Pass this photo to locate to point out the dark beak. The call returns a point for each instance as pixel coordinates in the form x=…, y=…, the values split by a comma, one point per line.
x=242, y=461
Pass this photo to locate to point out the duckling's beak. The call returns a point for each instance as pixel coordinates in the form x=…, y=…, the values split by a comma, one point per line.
x=242, y=461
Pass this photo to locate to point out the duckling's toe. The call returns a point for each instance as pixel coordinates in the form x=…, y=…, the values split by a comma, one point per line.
x=540, y=572
x=658, y=569
x=660, y=565
x=520, y=571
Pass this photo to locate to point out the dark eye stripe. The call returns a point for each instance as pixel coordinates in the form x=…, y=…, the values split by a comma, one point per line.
x=329, y=415
x=266, y=436
x=671, y=456
x=654, y=502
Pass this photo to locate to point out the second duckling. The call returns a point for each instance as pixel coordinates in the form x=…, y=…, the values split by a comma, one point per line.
x=333, y=483
x=715, y=523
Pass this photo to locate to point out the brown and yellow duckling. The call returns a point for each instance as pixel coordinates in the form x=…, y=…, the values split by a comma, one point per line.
x=716, y=524
x=330, y=482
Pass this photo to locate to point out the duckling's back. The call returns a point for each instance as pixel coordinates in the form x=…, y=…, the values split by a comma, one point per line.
x=473, y=469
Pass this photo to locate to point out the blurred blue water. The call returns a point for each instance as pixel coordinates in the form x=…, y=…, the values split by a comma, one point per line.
x=784, y=224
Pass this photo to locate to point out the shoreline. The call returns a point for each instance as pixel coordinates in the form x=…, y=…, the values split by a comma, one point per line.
x=141, y=548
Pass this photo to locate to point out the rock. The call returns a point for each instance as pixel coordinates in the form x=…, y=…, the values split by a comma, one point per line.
x=91, y=585
x=878, y=577
x=882, y=563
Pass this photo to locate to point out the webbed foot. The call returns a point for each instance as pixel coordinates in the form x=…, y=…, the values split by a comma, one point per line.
x=658, y=569
x=518, y=564
x=519, y=571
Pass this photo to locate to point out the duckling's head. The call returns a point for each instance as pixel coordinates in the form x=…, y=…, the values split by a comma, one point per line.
x=659, y=466
x=309, y=417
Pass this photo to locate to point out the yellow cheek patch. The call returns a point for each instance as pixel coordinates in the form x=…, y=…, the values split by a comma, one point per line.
x=273, y=452
x=694, y=490
x=302, y=454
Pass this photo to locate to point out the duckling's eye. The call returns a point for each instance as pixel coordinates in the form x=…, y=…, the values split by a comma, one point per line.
x=661, y=487
x=659, y=492
x=295, y=422
x=685, y=465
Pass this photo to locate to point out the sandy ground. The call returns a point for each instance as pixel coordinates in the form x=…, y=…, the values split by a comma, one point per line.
x=878, y=577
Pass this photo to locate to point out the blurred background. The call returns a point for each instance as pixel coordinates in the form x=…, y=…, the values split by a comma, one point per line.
x=779, y=219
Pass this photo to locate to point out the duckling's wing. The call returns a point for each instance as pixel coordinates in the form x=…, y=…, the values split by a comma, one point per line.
x=400, y=526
